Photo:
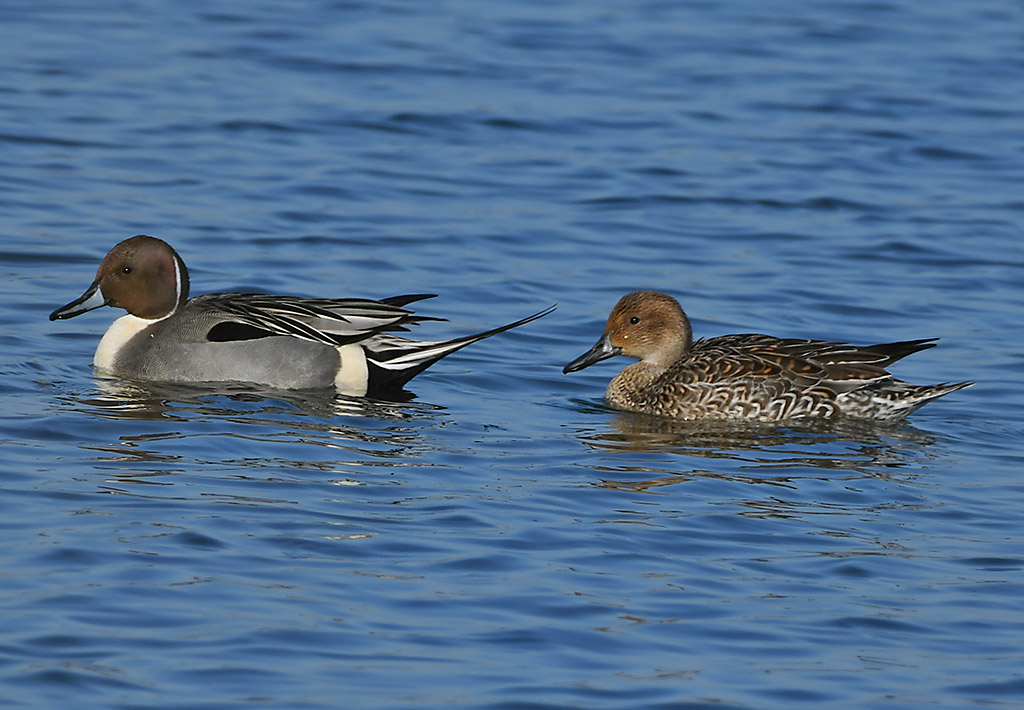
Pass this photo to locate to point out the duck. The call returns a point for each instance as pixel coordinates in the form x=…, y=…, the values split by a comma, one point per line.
x=281, y=342
x=748, y=376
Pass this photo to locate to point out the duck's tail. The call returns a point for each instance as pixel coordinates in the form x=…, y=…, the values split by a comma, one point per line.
x=893, y=400
x=393, y=360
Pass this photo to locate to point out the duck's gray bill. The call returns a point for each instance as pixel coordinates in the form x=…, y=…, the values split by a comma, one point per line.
x=88, y=301
x=602, y=350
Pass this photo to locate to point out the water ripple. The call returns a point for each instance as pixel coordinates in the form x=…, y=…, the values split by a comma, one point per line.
x=499, y=538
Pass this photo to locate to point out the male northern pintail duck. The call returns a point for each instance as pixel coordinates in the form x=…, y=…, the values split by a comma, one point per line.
x=753, y=377
x=278, y=341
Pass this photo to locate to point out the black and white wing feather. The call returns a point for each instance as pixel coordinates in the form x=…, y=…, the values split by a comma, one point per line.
x=243, y=316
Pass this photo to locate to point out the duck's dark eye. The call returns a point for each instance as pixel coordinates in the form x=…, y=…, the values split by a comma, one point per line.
x=634, y=320
x=126, y=270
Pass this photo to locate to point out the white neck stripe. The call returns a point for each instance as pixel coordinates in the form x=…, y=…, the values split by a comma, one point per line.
x=177, y=284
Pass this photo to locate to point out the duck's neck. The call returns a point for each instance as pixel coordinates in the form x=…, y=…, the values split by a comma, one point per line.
x=628, y=388
x=117, y=336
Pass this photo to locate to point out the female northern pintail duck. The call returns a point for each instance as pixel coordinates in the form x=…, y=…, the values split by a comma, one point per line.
x=278, y=341
x=755, y=377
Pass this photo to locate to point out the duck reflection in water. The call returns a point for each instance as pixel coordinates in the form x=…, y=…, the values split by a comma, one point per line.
x=756, y=453
x=294, y=431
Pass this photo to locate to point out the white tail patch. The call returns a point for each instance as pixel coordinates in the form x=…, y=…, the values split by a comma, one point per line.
x=353, y=374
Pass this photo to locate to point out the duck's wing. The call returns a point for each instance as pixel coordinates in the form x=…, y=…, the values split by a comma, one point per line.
x=333, y=321
x=838, y=367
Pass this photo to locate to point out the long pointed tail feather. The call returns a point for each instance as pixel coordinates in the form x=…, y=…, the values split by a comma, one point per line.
x=894, y=400
x=395, y=360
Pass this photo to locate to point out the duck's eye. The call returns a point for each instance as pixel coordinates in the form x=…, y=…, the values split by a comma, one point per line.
x=126, y=270
x=634, y=320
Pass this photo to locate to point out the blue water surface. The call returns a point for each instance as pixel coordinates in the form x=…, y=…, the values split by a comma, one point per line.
x=502, y=540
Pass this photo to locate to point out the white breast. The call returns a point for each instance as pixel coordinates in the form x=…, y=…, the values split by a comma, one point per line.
x=120, y=332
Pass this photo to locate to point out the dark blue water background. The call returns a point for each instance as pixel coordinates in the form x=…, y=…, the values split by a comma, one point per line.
x=849, y=170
